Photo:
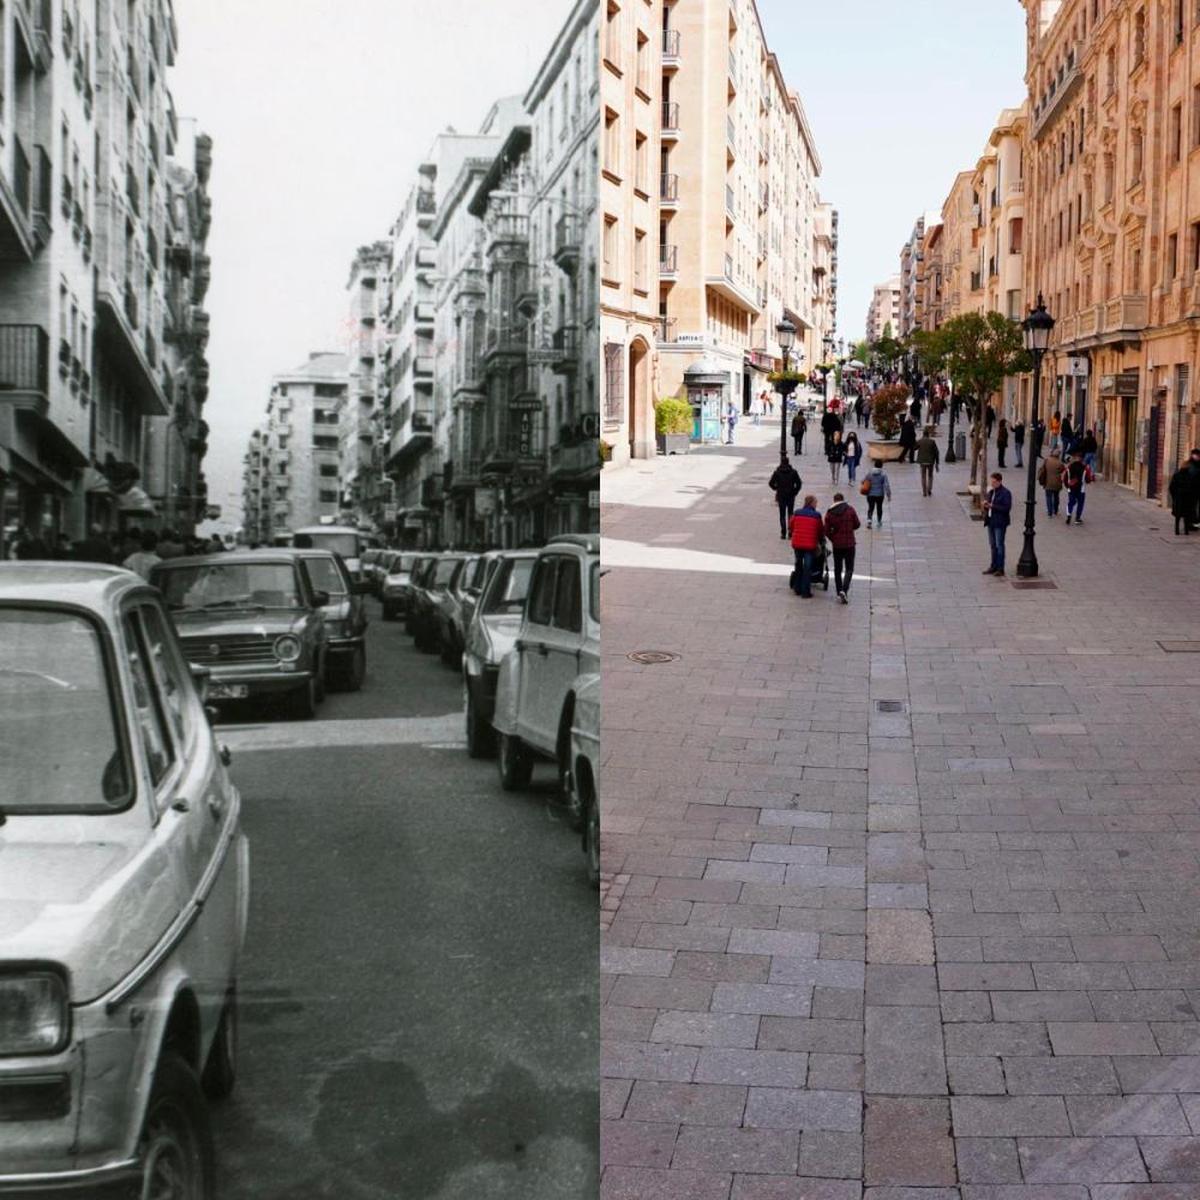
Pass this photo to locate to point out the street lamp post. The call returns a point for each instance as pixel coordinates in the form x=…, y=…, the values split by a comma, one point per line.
x=785, y=331
x=1037, y=327
x=950, y=456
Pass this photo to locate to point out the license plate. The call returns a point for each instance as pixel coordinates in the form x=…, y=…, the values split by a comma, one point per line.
x=228, y=691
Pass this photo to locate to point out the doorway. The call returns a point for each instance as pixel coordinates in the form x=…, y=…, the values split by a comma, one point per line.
x=1128, y=438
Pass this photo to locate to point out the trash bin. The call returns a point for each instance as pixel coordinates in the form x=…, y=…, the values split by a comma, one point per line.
x=960, y=446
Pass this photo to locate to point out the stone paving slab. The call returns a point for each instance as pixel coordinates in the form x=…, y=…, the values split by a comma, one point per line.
x=949, y=951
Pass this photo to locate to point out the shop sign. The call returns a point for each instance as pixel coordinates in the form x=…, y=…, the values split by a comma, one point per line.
x=692, y=339
x=485, y=502
x=1108, y=385
x=1127, y=383
x=413, y=521
x=1077, y=366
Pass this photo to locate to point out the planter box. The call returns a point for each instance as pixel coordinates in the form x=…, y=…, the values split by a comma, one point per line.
x=887, y=451
x=673, y=443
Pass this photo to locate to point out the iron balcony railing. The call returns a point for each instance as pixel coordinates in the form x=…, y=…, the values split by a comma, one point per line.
x=668, y=257
x=669, y=187
x=670, y=116
x=670, y=43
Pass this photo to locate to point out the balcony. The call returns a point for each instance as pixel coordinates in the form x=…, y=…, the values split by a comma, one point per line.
x=43, y=194
x=425, y=312
x=1125, y=313
x=733, y=73
x=764, y=196
x=976, y=281
x=1055, y=98
x=566, y=243
x=25, y=399
x=505, y=339
x=670, y=51
x=426, y=259
x=730, y=201
x=1015, y=188
x=423, y=368
x=668, y=257
x=432, y=491
x=133, y=71
x=670, y=119
x=564, y=350
x=426, y=203
x=668, y=330
x=117, y=321
x=668, y=190
x=43, y=23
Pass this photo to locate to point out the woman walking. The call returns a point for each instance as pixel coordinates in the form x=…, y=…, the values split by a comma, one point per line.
x=877, y=488
x=836, y=455
x=756, y=408
x=799, y=429
x=853, y=454
x=1001, y=442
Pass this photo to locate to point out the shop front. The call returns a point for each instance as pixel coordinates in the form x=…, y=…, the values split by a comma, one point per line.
x=708, y=392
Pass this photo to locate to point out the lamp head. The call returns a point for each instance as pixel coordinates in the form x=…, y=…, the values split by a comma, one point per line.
x=1037, y=327
x=785, y=332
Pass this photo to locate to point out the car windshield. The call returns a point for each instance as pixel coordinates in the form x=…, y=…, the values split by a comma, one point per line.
x=59, y=749
x=324, y=576
x=594, y=591
x=510, y=587
x=345, y=542
x=445, y=571
x=231, y=586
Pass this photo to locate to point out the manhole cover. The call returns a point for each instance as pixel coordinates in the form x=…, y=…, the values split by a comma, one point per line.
x=649, y=657
x=1029, y=585
x=1181, y=647
x=889, y=705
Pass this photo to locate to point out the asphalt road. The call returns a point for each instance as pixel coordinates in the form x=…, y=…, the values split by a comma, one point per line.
x=420, y=1005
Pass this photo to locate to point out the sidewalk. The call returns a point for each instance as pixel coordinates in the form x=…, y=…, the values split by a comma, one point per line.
x=903, y=898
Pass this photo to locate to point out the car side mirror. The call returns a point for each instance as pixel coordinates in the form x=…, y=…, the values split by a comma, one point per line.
x=200, y=677
x=321, y=599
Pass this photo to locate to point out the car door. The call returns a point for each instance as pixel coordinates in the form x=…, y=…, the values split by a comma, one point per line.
x=565, y=636
x=324, y=576
x=535, y=704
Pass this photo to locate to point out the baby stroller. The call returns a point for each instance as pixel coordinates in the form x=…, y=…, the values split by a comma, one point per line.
x=820, y=571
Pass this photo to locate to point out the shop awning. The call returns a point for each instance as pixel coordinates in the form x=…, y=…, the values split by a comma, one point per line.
x=135, y=502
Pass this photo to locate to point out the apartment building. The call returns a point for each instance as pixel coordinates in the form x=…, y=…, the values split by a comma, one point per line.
x=962, y=284
x=933, y=285
x=1114, y=229
x=883, y=315
x=641, y=55
x=824, y=274
x=292, y=466
x=738, y=198
x=912, y=275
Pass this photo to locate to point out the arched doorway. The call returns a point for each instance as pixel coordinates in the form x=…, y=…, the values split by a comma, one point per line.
x=641, y=440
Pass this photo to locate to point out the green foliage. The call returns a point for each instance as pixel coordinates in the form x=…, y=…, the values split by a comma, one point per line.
x=789, y=376
x=888, y=407
x=977, y=350
x=672, y=415
x=887, y=349
x=862, y=351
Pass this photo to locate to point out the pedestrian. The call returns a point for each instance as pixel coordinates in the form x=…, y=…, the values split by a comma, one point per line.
x=767, y=404
x=1001, y=442
x=997, y=513
x=170, y=545
x=807, y=530
x=836, y=455
x=94, y=548
x=30, y=547
x=1182, y=490
x=915, y=411
x=876, y=487
x=936, y=409
x=1090, y=448
x=786, y=483
x=854, y=453
x=1055, y=430
x=1050, y=475
x=1076, y=477
x=929, y=459
x=840, y=523
x=731, y=420
x=859, y=404
x=799, y=429
x=1018, y=435
x=908, y=439
x=989, y=421
x=831, y=423
x=1067, y=432
x=756, y=408
x=1039, y=438
x=143, y=559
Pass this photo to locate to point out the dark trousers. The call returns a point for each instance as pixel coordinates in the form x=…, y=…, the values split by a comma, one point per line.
x=906, y=454
x=927, y=479
x=787, y=506
x=1052, y=498
x=1000, y=453
x=996, y=545
x=797, y=443
x=875, y=507
x=843, y=569
x=804, y=570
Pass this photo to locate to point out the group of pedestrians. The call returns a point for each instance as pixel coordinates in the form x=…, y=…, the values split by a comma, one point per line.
x=1072, y=476
x=133, y=548
x=809, y=529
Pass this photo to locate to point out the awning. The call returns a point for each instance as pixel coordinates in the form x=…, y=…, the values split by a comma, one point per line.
x=135, y=502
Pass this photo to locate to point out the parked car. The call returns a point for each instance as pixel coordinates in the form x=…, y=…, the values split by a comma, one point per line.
x=491, y=635
x=428, y=632
x=585, y=767
x=422, y=574
x=345, y=618
x=253, y=618
x=395, y=591
x=454, y=609
x=559, y=643
x=347, y=540
x=124, y=889
x=370, y=566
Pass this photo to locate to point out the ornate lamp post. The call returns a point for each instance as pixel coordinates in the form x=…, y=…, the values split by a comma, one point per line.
x=1037, y=327
x=950, y=456
x=785, y=332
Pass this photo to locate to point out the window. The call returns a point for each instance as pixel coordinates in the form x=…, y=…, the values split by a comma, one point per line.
x=170, y=673
x=1110, y=72
x=1177, y=22
x=1196, y=114
x=612, y=35
x=1109, y=178
x=1137, y=154
x=329, y=470
x=643, y=63
x=1172, y=257
x=639, y=260
x=614, y=382
x=148, y=714
x=326, y=496
x=1139, y=38
x=612, y=142
x=568, y=597
x=641, y=159
x=610, y=247
x=1194, y=248
x=324, y=576
x=541, y=594
x=1136, y=281
x=1175, y=133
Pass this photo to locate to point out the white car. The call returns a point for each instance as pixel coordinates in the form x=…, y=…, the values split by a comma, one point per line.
x=585, y=760
x=557, y=647
x=124, y=888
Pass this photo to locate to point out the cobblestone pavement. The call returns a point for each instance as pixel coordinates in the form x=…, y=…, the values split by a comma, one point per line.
x=949, y=951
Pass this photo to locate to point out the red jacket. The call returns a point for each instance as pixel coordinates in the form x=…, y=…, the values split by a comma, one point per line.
x=840, y=523
x=806, y=529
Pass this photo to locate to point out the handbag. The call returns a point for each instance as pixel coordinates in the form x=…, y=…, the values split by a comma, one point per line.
x=864, y=488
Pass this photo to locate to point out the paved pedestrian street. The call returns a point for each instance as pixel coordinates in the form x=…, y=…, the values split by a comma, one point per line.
x=902, y=899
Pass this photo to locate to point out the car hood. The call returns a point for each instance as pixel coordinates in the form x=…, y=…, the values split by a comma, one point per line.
x=94, y=903
x=218, y=625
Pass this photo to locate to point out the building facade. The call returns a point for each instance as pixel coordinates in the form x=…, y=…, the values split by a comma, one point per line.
x=883, y=315
x=962, y=285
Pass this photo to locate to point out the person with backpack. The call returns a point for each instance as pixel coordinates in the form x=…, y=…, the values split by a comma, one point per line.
x=997, y=515
x=786, y=483
x=1076, y=476
x=876, y=487
x=799, y=429
x=807, y=531
x=840, y=523
x=1050, y=476
x=1089, y=447
x=853, y=455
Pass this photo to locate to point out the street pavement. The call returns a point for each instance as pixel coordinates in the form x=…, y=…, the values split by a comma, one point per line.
x=902, y=898
x=418, y=993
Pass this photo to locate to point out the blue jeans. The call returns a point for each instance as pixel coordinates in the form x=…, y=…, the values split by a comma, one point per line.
x=996, y=545
x=804, y=570
x=1090, y=460
x=1019, y=447
x=851, y=468
x=1052, y=499
x=1075, y=499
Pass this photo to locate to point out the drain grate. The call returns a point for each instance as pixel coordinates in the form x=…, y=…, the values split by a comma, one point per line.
x=892, y=706
x=1180, y=647
x=1030, y=585
x=650, y=657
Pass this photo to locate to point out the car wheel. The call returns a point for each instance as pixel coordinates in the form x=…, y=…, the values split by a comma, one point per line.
x=568, y=789
x=516, y=766
x=220, y=1071
x=176, y=1147
x=302, y=703
x=591, y=836
x=355, y=671
x=481, y=737
x=322, y=678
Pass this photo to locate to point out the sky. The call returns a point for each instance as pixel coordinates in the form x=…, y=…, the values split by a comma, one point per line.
x=320, y=112
x=900, y=98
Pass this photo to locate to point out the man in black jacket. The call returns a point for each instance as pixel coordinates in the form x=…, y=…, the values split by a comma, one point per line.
x=831, y=423
x=786, y=484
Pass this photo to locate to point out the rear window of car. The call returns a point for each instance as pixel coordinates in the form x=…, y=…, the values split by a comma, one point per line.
x=60, y=747
x=404, y=562
x=228, y=585
x=446, y=570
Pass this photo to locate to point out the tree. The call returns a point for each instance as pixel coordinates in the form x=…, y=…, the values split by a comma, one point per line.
x=978, y=351
x=888, y=407
x=887, y=349
x=862, y=351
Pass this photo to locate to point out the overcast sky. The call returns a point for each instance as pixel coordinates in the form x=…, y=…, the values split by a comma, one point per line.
x=900, y=97
x=320, y=111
